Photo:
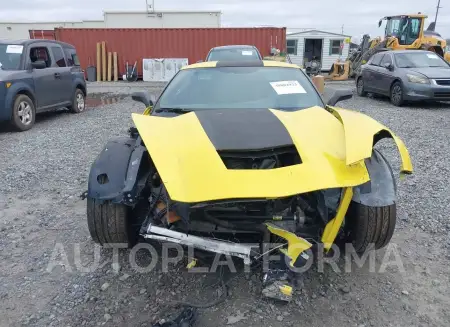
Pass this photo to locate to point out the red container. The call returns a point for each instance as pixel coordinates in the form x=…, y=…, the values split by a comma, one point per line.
x=193, y=43
x=42, y=34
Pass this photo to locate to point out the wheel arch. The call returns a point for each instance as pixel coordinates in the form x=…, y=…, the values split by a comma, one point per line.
x=81, y=86
x=381, y=190
x=396, y=80
x=13, y=92
x=118, y=174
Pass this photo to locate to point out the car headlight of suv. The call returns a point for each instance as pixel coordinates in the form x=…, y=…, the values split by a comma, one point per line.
x=418, y=79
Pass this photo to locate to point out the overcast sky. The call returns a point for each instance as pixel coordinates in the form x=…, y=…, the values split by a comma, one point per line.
x=357, y=16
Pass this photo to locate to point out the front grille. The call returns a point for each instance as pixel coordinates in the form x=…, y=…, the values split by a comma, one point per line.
x=442, y=94
x=443, y=81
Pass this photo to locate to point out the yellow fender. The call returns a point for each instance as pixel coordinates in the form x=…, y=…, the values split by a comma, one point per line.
x=334, y=225
x=360, y=131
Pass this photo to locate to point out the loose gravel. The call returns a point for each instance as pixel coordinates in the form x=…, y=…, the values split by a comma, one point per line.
x=43, y=171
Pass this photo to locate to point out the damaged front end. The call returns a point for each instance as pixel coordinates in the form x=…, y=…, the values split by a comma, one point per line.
x=311, y=181
x=244, y=228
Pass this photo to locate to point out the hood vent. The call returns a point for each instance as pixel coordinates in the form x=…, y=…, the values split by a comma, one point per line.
x=261, y=159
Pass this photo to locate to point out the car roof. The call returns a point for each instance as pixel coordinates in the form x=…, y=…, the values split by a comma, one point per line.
x=406, y=51
x=235, y=46
x=26, y=42
x=250, y=63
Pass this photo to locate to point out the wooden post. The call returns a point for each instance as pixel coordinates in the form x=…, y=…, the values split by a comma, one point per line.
x=99, y=62
x=103, y=61
x=109, y=66
x=116, y=75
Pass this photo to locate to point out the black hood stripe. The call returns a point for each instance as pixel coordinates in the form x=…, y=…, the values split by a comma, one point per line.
x=244, y=129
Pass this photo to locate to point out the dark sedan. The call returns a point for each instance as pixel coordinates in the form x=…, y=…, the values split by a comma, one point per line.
x=406, y=75
x=234, y=53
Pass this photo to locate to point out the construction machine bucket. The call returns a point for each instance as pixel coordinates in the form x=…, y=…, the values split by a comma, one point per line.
x=340, y=71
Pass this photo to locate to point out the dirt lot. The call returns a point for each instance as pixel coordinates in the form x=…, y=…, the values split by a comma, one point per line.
x=44, y=170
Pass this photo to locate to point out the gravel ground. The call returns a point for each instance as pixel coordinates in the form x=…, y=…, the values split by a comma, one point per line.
x=43, y=171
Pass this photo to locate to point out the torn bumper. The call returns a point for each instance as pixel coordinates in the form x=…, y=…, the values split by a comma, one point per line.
x=202, y=243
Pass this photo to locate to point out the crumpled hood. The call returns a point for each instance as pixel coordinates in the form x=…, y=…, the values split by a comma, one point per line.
x=332, y=151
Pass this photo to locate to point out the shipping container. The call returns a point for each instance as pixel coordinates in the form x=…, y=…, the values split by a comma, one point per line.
x=134, y=45
x=42, y=34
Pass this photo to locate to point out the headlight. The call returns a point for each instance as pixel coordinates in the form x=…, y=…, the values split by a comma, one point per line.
x=418, y=79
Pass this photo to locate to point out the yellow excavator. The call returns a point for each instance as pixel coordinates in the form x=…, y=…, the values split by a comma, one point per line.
x=401, y=32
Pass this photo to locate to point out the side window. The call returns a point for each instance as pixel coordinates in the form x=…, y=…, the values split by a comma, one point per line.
x=291, y=46
x=59, y=57
x=40, y=54
x=376, y=59
x=393, y=27
x=386, y=60
x=336, y=47
x=71, y=56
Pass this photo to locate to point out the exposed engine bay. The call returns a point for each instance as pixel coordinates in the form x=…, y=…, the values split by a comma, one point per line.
x=240, y=220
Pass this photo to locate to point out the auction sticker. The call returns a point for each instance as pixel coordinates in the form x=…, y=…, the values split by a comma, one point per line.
x=288, y=87
x=247, y=53
x=432, y=56
x=14, y=48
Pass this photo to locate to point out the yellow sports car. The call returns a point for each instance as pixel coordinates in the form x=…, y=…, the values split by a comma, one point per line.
x=248, y=149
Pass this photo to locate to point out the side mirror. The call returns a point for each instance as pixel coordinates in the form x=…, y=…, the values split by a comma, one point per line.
x=143, y=97
x=39, y=64
x=388, y=66
x=339, y=95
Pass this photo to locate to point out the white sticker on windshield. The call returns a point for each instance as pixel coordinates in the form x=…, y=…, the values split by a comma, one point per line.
x=14, y=48
x=432, y=56
x=247, y=53
x=287, y=87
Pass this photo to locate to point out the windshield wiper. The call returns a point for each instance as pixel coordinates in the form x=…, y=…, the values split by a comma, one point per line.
x=176, y=110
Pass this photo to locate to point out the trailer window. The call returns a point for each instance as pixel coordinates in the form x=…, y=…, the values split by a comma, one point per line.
x=291, y=46
x=336, y=47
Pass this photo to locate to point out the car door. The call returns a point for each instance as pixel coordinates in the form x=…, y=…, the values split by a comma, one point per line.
x=377, y=73
x=62, y=73
x=370, y=73
x=386, y=73
x=46, y=85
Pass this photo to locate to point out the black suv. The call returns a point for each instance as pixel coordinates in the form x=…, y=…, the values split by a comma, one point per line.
x=38, y=76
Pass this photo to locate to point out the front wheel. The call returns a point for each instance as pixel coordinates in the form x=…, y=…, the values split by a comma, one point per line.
x=24, y=113
x=360, y=87
x=397, y=94
x=78, y=101
x=368, y=227
x=110, y=223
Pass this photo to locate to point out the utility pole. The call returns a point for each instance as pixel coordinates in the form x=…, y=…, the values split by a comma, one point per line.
x=342, y=27
x=437, y=12
x=152, y=6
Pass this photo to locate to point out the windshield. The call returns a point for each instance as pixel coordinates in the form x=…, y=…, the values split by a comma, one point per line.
x=419, y=59
x=10, y=56
x=233, y=54
x=240, y=88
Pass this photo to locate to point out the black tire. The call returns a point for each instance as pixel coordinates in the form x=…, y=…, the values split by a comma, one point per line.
x=370, y=227
x=360, y=87
x=23, y=107
x=78, y=102
x=397, y=94
x=109, y=223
